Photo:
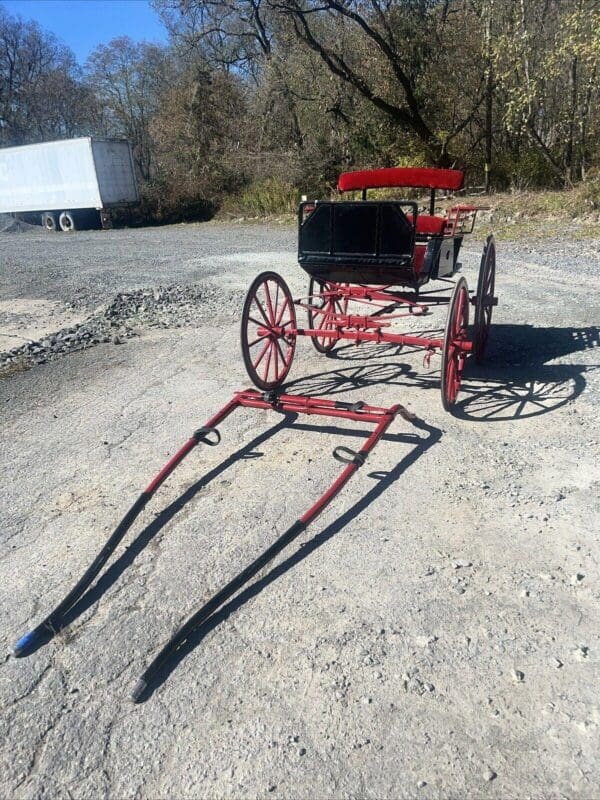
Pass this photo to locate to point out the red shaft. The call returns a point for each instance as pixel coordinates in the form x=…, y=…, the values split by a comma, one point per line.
x=349, y=471
x=189, y=445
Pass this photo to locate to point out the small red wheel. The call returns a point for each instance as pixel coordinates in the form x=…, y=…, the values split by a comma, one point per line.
x=453, y=356
x=484, y=300
x=268, y=331
x=321, y=311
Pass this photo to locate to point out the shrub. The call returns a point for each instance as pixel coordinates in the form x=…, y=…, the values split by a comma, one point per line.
x=269, y=197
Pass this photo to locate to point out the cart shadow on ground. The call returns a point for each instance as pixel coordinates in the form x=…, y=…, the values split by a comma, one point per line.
x=420, y=440
x=515, y=381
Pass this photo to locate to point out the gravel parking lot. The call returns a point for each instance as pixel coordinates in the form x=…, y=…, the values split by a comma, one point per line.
x=435, y=634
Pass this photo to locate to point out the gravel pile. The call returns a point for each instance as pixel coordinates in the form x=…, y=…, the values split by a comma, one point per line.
x=160, y=307
x=9, y=224
x=173, y=306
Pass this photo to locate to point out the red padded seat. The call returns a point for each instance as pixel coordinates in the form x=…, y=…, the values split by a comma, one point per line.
x=432, y=226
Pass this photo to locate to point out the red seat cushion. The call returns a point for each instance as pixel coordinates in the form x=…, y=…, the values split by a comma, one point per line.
x=433, y=226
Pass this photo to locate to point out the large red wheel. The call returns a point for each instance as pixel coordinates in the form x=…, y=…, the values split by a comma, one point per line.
x=453, y=356
x=321, y=310
x=268, y=331
x=484, y=299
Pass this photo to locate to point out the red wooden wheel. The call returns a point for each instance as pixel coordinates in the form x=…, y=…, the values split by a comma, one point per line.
x=268, y=331
x=453, y=357
x=484, y=300
x=321, y=311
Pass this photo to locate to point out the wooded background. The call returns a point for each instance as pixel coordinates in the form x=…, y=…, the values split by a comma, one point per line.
x=255, y=101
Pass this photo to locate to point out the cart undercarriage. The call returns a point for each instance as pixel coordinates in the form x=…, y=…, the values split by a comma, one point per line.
x=270, y=329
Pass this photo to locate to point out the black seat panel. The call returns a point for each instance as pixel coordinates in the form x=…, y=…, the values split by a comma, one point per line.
x=358, y=242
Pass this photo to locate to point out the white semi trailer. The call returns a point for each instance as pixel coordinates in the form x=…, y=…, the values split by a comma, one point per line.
x=67, y=184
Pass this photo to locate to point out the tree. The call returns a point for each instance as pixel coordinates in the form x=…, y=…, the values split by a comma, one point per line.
x=197, y=140
x=395, y=43
x=41, y=95
x=129, y=79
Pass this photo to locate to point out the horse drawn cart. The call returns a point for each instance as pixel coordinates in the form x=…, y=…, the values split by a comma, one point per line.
x=375, y=254
x=368, y=262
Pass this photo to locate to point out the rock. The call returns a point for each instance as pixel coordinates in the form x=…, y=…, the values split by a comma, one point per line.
x=424, y=641
x=489, y=774
x=459, y=588
x=421, y=784
x=462, y=563
x=577, y=578
x=518, y=676
x=580, y=653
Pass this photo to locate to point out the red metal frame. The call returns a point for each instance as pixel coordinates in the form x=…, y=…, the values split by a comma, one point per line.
x=458, y=219
x=295, y=404
x=364, y=328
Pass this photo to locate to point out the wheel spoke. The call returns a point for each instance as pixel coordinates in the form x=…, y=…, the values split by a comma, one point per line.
x=281, y=313
x=275, y=351
x=262, y=311
x=267, y=368
x=269, y=303
x=260, y=339
x=257, y=322
x=262, y=354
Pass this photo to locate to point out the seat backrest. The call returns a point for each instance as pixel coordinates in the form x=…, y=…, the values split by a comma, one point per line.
x=429, y=225
x=346, y=229
x=408, y=177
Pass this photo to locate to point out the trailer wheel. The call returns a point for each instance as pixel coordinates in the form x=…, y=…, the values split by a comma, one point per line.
x=49, y=221
x=67, y=222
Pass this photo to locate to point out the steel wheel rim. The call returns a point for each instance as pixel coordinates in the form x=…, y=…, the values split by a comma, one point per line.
x=268, y=355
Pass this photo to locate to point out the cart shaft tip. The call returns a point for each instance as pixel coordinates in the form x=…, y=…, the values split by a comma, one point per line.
x=24, y=643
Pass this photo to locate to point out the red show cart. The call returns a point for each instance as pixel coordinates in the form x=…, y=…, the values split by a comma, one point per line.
x=368, y=261
x=375, y=253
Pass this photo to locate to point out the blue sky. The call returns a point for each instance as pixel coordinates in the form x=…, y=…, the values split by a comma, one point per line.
x=83, y=24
